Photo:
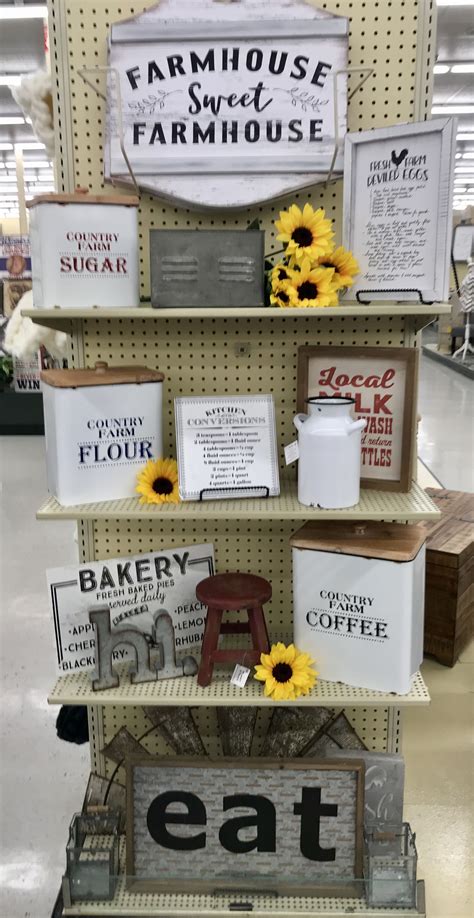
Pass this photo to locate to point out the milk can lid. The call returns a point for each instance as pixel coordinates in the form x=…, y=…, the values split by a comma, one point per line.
x=100, y=375
x=366, y=539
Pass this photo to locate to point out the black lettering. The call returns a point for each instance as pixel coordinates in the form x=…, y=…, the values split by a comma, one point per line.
x=252, y=131
x=279, y=67
x=209, y=134
x=158, y=818
x=314, y=129
x=254, y=59
x=162, y=566
x=273, y=131
x=142, y=568
x=194, y=98
x=133, y=75
x=106, y=579
x=295, y=128
x=178, y=131
x=264, y=820
x=230, y=128
x=157, y=132
x=319, y=75
x=175, y=65
x=87, y=581
x=123, y=572
x=300, y=69
x=232, y=57
x=154, y=72
x=207, y=64
x=311, y=809
x=138, y=131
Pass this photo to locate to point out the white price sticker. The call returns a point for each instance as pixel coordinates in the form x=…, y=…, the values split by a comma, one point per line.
x=292, y=452
x=240, y=675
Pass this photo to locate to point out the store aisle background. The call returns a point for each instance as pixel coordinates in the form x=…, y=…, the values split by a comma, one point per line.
x=43, y=779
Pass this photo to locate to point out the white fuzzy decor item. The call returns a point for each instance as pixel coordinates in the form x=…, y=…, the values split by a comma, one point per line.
x=33, y=95
x=23, y=338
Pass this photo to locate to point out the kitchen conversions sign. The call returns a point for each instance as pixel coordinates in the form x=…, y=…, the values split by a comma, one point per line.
x=197, y=824
x=382, y=381
x=135, y=589
x=227, y=90
x=398, y=190
x=226, y=447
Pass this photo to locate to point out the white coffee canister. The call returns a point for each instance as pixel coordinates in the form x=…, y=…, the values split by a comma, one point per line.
x=358, y=592
x=84, y=250
x=329, y=453
x=101, y=427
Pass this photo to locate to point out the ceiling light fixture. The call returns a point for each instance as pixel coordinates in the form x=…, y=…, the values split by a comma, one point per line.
x=465, y=135
x=452, y=110
x=9, y=146
x=468, y=155
x=6, y=80
x=30, y=145
x=36, y=11
x=462, y=68
x=455, y=2
x=30, y=164
x=441, y=68
x=11, y=119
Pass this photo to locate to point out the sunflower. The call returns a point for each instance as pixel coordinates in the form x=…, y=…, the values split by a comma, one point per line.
x=344, y=264
x=286, y=672
x=307, y=233
x=280, y=273
x=313, y=286
x=282, y=294
x=158, y=482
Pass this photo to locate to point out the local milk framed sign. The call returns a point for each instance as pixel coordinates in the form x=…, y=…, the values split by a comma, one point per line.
x=135, y=589
x=398, y=192
x=227, y=447
x=239, y=93
x=382, y=382
x=206, y=824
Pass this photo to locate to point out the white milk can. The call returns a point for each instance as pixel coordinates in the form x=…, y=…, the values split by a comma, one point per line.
x=329, y=453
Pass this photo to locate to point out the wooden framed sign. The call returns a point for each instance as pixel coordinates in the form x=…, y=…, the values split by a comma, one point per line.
x=242, y=94
x=206, y=824
x=226, y=447
x=398, y=193
x=383, y=383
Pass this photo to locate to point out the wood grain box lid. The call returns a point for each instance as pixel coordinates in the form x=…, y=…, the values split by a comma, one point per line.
x=100, y=375
x=83, y=197
x=450, y=542
x=366, y=539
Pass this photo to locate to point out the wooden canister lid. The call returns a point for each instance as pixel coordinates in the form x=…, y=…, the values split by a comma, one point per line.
x=365, y=539
x=82, y=196
x=101, y=375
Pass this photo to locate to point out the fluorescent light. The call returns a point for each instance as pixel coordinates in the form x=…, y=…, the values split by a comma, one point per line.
x=6, y=80
x=31, y=164
x=467, y=169
x=9, y=146
x=441, y=68
x=11, y=119
x=30, y=145
x=455, y=2
x=468, y=155
x=462, y=68
x=465, y=135
x=24, y=12
x=452, y=110
x=460, y=190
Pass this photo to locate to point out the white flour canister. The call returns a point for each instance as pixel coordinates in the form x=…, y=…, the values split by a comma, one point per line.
x=84, y=250
x=101, y=425
x=358, y=593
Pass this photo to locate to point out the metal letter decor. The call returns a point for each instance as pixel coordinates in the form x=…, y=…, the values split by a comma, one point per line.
x=154, y=660
x=207, y=824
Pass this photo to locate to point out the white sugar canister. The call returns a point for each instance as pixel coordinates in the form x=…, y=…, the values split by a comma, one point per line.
x=84, y=250
x=358, y=592
x=101, y=425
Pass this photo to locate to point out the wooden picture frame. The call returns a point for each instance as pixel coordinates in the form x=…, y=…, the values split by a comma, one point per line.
x=374, y=361
x=403, y=251
x=221, y=769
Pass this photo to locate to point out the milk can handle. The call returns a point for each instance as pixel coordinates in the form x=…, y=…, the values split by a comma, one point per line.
x=299, y=420
x=356, y=425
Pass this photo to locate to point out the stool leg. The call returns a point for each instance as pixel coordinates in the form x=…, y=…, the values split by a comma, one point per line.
x=258, y=629
x=209, y=645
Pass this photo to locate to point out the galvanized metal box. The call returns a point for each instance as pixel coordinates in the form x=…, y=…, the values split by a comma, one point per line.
x=193, y=268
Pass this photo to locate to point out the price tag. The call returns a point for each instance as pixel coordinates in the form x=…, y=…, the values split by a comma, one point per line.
x=240, y=675
x=292, y=452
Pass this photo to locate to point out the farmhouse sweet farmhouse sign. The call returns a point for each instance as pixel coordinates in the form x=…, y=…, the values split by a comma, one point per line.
x=242, y=89
x=280, y=825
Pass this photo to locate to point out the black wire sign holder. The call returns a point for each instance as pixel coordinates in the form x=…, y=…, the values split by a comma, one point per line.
x=230, y=490
x=393, y=290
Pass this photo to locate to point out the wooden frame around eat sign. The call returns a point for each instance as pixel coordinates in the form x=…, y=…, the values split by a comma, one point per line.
x=318, y=370
x=350, y=886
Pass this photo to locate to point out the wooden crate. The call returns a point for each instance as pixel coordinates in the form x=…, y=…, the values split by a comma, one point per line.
x=449, y=603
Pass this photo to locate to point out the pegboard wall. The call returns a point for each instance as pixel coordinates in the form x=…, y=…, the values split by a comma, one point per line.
x=397, y=39
x=394, y=37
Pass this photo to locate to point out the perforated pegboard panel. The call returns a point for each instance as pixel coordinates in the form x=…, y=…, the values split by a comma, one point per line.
x=395, y=37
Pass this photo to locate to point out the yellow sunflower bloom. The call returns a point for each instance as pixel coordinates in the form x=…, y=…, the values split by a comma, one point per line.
x=313, y=286
x=307, y=233
x=280, y=273
x=345, y=266
x=286, y=672
x=282, y=295
x=158, y=482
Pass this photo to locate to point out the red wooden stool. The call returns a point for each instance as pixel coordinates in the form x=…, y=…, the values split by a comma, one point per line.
x=232, y=592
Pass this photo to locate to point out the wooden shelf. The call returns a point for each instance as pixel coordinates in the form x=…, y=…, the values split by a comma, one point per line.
x=76, y=688
x=127, y=904
x=60, y=318
x=373, y=505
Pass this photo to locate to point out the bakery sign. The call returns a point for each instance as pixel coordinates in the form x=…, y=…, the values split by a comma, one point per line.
x=217, y=89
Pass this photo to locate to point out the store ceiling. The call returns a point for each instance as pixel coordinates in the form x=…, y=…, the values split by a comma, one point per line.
x=22, y=51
